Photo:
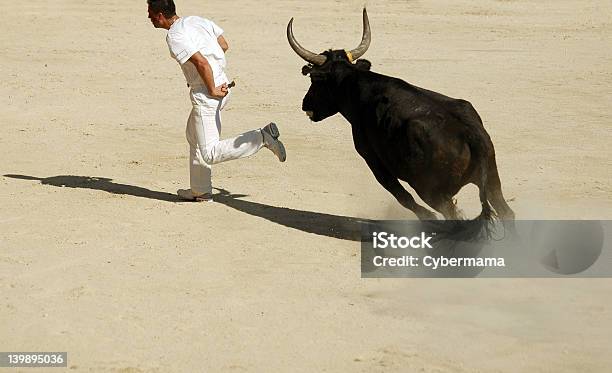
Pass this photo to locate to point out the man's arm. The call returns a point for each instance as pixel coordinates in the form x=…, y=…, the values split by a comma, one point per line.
x=201, y=64
x=222, y=43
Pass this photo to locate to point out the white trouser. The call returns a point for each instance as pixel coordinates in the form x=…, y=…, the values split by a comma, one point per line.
x=205, y=148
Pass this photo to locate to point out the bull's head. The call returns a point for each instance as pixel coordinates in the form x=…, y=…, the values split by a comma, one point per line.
x=326, y=71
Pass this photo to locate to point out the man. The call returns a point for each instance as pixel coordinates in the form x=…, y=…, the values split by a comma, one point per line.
x=198, y=45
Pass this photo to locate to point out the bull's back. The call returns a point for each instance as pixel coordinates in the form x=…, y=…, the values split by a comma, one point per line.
x=412, y=102
x=420, y=130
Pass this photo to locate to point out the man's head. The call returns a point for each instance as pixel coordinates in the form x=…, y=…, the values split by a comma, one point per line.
x=160, y=12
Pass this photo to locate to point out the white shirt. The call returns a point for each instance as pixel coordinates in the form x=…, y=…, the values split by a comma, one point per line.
x=192, y=34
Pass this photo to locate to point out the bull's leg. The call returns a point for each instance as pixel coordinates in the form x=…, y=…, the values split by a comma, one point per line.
x=392, y=184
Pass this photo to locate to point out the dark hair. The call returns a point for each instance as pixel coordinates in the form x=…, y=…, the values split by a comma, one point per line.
x=166, y=7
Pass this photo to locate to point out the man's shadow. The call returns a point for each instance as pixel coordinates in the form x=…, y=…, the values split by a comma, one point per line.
x=335, y=226
x=99, y=183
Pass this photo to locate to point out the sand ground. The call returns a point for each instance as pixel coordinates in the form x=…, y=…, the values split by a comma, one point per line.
x=97, y=258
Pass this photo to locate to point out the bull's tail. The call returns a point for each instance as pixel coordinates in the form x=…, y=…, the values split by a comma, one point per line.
x=487, y=215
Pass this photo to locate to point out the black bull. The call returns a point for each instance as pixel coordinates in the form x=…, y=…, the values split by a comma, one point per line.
x=435, y=143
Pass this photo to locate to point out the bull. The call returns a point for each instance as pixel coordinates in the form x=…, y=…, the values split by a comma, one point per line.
x=435, y=143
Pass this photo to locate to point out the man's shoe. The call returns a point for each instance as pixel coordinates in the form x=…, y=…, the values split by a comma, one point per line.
x=272, y=130
x=188, y=195
x=270, y=135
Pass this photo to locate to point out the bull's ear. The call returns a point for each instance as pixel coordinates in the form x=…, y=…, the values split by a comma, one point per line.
x=363, y=65
x=306, y=69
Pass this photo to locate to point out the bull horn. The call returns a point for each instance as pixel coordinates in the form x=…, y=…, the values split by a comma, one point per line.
x=308, y=56
x=365, y=39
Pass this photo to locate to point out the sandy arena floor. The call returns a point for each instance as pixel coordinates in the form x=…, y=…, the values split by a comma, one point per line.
x=97, y=258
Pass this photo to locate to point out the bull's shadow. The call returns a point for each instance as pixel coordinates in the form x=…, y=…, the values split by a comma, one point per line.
x=335, y=226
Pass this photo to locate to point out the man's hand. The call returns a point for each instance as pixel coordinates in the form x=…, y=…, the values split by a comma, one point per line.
x=201, y=64
x=220, y=91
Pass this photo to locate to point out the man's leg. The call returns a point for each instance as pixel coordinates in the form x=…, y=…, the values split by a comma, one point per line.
x=216, y=151
x=200, y=172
